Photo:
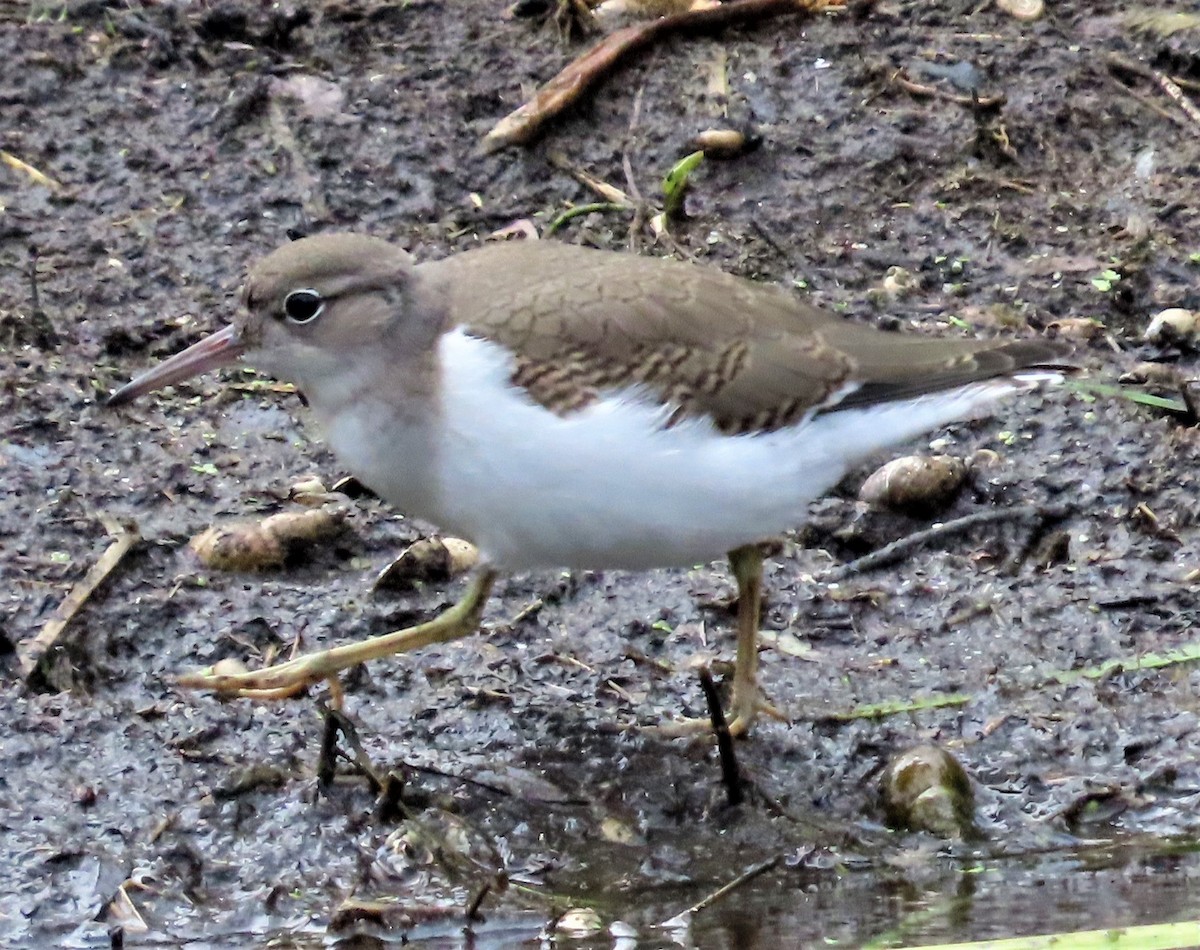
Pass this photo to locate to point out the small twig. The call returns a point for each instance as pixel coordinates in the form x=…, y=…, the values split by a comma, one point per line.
x=639, y=203
x=31, y=652
x=1011, y=183
x=461, y=777
x=606, y=191
x=970, y=612
x=681, y=919
x=1171, y=88
x=731, y=777
x=621, y=692
x=638, y=658
x=1123, y=64
x=528, y=612
x=327, y=757
x=34, y=303
x=1131, y=67
x=1184, y=83
x=1038, y=531
x=33, y=174
x=1144, y=100
x=335, y=722
x=933, y=92
x=898, y=550
x=477, y=901
x=772, y=242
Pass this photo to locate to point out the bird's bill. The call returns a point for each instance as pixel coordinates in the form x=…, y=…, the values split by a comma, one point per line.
x=220, y=349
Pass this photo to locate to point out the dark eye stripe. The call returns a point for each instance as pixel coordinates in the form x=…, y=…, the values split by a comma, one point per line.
x=303, y=306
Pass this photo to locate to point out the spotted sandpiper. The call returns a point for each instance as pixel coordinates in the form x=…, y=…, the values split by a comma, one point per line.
x=564, y=407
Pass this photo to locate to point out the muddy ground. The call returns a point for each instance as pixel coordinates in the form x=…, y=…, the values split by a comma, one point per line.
x=185, y=146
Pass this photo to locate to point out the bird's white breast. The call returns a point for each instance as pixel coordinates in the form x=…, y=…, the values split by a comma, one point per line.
x=606, y=487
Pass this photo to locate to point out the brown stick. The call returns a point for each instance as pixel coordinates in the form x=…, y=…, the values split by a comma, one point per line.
x=898, y=550
x=731, y=776
x=1171, y=88
x=932, y=92
x=1132, y=67
x=30, y=653
x=684, y=917
x=523, y=125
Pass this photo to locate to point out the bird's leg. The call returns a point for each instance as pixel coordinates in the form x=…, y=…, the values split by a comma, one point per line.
x=747, y=701
x=286, y=679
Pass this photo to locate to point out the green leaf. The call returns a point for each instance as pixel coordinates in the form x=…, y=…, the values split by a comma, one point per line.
x=1086, y=387
x=675, y=183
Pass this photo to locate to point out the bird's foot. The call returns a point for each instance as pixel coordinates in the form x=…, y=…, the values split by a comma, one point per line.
x=273, y=682
x=287, y=679
x=746, y=706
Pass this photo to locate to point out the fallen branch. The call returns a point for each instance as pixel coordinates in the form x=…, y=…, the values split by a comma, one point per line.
x=524, y=124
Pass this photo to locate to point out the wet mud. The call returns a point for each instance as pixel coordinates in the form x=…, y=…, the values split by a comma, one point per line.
x=184, y=140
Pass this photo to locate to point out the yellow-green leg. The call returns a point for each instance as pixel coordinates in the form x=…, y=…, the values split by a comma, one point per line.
x=287, y=679
x=747, y=701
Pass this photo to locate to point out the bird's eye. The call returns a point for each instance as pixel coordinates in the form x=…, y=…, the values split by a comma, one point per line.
x=303, y=306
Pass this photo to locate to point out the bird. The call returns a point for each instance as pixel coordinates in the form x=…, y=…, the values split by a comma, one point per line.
x=569, y=407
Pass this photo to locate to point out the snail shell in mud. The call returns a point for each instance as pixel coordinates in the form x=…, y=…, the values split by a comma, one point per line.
x=898, y=282
x=1025, y=10
x=430, y=559
x=915, y=483
x=926, y=789
x=1174, y=325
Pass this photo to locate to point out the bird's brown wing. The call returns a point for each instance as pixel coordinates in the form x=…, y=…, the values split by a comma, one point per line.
x=748, y=356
